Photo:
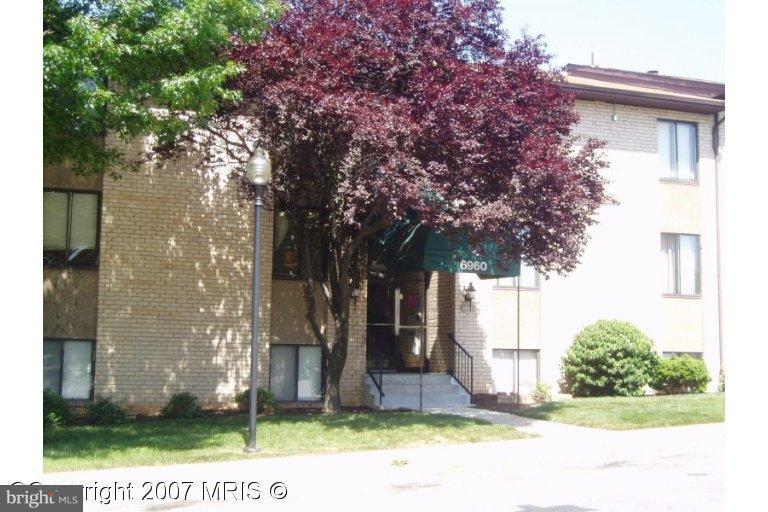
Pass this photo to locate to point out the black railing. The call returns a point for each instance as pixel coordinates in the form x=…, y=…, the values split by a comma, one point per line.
x=462, y=367
x=375, y=362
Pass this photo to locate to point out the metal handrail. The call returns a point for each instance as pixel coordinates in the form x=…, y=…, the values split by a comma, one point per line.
x=376, y=370
x=462, y=365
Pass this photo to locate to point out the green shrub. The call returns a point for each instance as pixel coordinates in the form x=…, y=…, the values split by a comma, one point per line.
x=182, y=405
x=56, y=410
x=103, y=411
x=542, y=393
x=681, y=374
x=721, y=383
x=265, y=401
x=609, y=358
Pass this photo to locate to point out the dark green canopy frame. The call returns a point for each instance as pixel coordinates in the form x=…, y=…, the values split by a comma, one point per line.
x=410, y=246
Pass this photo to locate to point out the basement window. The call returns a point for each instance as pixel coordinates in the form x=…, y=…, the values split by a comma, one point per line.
x=68, y=367
x=295, y=373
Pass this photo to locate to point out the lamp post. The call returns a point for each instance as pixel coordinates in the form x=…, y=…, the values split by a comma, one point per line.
x=259, y=171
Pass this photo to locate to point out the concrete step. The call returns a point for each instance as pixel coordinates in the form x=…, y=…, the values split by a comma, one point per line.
x=410, y=389
x=413, y=378
x=412, y=401
x=402, y=392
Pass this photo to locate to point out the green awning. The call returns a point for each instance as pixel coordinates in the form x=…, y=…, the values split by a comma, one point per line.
x=409, y=246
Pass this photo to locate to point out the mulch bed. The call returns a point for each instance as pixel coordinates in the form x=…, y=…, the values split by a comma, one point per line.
x=491, y=403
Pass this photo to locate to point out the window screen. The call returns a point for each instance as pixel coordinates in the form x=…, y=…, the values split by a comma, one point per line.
x=295, y=372
x=680, y=255
x=529, y=278
x=68, y=367
x=70, y=228
x=678, y=150
x=282, y=372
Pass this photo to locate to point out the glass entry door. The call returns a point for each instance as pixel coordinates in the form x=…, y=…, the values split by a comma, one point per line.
x=396, y=320
x=409, y=315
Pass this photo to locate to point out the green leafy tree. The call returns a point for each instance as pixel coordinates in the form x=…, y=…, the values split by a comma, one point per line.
x=137, y=67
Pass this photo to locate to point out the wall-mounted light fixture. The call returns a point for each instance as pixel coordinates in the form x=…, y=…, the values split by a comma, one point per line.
x=355, y=295
x=469, y=294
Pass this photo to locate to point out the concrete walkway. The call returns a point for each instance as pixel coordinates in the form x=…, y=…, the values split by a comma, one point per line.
x=528, y=425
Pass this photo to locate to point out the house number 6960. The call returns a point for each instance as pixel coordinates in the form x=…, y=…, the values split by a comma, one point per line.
x=473, y=265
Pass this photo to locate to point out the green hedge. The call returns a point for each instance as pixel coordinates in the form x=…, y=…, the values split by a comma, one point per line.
x=265, y=401
x=182, y=405
x=56, y=410
x=609, y=358
x=681, y=374
x=103, y=411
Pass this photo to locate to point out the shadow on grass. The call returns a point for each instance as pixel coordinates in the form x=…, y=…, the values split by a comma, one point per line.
x=543, y=411
x=172, y=436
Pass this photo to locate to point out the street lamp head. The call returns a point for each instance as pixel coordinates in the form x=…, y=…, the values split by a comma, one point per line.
x=259, y=168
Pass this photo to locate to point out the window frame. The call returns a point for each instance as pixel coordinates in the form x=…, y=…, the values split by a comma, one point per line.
x=296, y=348
x=70, y=192
x=677, y=293
x=62, y=341
x=537, y=351
x=320, y=268
x=536, y=286
x=671, y=354
x=695, y=125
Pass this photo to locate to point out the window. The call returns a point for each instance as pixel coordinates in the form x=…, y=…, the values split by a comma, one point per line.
x=295, y=372
x=503, y=364
x=680, y=256
x=678, y=150
x=68, y=367
x=670, y=355
x=287, y=259
x=70, y=228
x=529, y=278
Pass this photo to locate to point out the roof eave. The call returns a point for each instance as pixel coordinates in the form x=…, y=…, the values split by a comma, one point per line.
x=641, y=99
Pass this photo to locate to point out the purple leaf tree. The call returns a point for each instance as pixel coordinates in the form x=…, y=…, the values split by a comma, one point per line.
x=374, y=109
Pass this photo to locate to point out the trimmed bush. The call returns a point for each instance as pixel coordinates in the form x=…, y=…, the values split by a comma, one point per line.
x=609, y=358
x=542, y=393
x=56, y=410
x=103, y=411
x=265, y=401
x=182, y=405
x=681, y=374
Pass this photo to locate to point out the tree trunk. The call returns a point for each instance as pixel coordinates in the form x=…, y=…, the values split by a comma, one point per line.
x=337, y=297
x=334, y=365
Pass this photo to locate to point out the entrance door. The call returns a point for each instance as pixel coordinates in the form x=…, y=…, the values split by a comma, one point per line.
x=409, y=312
x=396, y=323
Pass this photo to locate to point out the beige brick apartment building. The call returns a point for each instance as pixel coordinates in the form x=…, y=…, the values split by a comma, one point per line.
x=147, y=278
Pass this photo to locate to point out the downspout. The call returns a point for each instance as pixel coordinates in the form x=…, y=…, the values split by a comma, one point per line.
x=717, y=120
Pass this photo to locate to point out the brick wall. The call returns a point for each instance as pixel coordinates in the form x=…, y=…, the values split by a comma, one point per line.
x=440, y=320
x=353, y=376
x=175, y=287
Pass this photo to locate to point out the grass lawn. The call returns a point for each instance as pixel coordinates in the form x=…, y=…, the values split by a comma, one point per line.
x=633, y=412
x=156, y=442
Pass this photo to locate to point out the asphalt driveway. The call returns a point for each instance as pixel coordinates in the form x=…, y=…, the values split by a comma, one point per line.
x=565, y=470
